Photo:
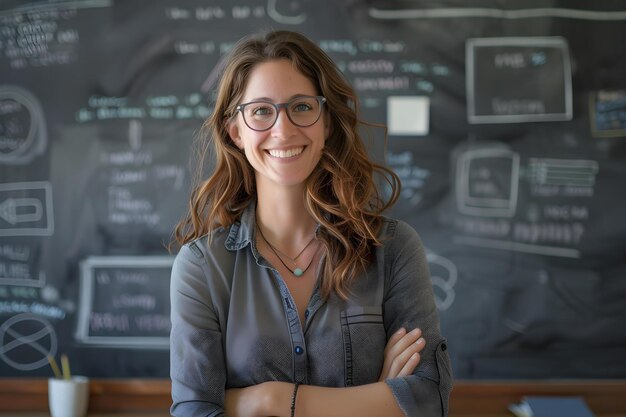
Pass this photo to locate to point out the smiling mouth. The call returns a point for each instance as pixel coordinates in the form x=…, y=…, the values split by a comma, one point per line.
x=285, y=153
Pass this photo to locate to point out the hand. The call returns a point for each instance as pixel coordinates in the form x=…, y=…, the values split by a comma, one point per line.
x=402, y=353
x=243, y=402
x=256, y=400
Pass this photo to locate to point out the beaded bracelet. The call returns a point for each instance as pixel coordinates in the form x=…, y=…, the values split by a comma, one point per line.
x=293, y=399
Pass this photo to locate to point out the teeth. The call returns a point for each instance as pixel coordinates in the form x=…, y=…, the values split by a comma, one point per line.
x=288, y=153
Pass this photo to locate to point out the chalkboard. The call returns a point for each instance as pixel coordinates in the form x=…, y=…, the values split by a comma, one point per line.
x=506, y=124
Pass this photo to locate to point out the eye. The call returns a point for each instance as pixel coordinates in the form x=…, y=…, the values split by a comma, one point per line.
x=260, y=110
x=300, y=106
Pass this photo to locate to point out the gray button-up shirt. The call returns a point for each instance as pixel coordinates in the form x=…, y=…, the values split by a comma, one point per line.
x=235, y=324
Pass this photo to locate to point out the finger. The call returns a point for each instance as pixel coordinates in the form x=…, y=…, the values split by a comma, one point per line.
x=410, y=365
x=387, y=358
x=395, y=338
x=393, y=348
x=421, y=344
x=404, y=342
x=400, y=361
x=404, y=357
x=397, y=346
x=396, y=353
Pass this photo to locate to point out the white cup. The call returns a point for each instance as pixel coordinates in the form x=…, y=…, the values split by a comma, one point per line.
x=68, y=397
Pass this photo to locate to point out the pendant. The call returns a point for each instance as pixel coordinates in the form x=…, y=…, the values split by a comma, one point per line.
x=298, y=272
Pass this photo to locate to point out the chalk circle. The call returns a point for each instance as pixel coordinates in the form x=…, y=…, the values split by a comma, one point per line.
x=293, y=15
x=444, y=293
x=444, y=275
x=22, y=125
x=26, y=340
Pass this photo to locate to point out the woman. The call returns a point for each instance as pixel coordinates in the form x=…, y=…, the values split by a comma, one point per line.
x=292, y=295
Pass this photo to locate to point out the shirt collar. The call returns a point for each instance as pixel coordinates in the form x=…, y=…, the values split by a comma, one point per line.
x=242, y=231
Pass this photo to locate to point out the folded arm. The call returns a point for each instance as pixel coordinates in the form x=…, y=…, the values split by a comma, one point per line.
x=275, y=398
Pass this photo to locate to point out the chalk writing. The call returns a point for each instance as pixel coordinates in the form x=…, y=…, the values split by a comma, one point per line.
x=168, y=107
x=39, y=39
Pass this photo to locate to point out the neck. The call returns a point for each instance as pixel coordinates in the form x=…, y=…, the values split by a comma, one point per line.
x=284, y=218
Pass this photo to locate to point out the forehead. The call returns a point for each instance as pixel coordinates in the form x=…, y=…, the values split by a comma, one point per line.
x=277, y=80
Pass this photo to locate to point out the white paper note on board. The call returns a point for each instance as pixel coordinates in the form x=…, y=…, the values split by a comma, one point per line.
x=408, y=115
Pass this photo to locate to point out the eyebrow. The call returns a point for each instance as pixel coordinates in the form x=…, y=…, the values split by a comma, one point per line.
x=272, y=101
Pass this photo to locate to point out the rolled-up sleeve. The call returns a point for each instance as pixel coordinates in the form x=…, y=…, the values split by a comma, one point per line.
x=409, y=302
x=197, y=367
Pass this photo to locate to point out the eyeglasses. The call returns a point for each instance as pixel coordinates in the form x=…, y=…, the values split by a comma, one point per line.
x=302, y=111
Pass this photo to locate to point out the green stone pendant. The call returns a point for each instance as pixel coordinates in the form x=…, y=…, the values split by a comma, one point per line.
x=298, y=272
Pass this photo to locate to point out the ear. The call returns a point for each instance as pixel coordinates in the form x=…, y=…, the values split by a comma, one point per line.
x=233, y=131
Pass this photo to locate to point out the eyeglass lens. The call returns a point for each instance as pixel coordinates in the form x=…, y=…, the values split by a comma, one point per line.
x=302, y=111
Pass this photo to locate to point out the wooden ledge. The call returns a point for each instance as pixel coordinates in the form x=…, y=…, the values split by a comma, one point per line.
x=469, y=398
x=105, y=395
x=604, y=397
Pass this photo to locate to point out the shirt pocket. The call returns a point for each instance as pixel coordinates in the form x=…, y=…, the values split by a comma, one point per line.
x=364, y=341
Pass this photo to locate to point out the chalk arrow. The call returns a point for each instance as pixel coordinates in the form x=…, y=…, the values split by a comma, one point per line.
x=21, y=210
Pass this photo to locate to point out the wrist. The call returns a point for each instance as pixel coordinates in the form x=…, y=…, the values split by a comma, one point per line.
x=276, y=398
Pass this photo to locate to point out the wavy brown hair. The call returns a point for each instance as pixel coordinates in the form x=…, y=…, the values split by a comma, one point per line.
x=341, y=193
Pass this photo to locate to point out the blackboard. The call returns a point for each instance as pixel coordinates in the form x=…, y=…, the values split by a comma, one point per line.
x=506, y=125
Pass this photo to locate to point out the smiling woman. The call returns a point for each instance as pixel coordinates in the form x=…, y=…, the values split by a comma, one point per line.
x=292, y=294
x=281, y=150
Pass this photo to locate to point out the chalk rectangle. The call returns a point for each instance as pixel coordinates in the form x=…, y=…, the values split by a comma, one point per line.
x=26, y=209
x=518, y=79
x=124, y=301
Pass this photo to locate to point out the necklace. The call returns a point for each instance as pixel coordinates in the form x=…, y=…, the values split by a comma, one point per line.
x=293, y=260
x=298, y=272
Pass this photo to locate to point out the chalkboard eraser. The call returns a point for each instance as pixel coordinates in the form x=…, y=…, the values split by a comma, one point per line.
x=551, y=407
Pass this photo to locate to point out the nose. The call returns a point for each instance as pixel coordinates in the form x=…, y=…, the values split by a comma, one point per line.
x=283, y=125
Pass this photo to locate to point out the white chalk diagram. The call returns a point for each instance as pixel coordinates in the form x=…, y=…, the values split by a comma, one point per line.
x=37, y=282
x=443, y=274
x=26, y=340
x=516, y=43
x=23, y=133
x=493, y=198
x=477, y=196
x=563, y=172
x=26, y=209
x=495, y=13
x=88, y=293
x=295, y=16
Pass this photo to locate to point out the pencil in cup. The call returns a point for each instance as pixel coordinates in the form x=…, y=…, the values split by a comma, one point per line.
x=65, y=365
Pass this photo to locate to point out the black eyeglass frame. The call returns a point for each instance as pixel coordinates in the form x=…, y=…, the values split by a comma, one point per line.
x=277, y=106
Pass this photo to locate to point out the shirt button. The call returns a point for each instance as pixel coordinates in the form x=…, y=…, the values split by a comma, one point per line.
x=306, y=314
x=299, y=350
